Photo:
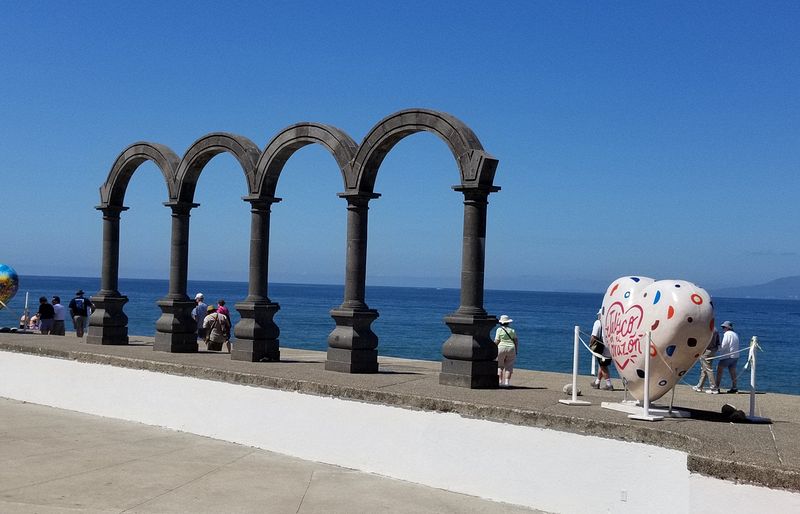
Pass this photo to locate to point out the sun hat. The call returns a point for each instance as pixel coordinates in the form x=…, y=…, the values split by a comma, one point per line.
x=79, y=292
x=211, y=308
x=727, y=324
x=505, y=319
x=199, y=296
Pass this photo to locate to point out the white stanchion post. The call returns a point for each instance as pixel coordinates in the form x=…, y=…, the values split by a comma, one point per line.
x=594, y=369
x=645, y=415
x=752, y=360
x=575, y=354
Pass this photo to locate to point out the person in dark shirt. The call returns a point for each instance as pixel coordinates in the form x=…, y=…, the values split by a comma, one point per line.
x=79, y=309
x=46, y=316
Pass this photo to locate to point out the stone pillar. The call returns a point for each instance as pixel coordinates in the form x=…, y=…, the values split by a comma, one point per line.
x=469, y=354
x=108, y=324
x=256, y=333
x=176, y=331
x=352, y=346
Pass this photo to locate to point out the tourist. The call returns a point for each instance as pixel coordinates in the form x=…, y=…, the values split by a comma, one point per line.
x=706, y=367
x=58, y=318
x=222, y=309
x=507, y=348
x=218, y=329
x=603, y=356
x=46, y=315
x=79, y=309
x=729, y=356
x=199, y=314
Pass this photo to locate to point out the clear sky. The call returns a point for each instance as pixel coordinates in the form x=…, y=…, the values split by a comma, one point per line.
x=651, y=138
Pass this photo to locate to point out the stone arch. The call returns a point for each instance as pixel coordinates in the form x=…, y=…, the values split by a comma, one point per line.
x=476, y=167
x=112, y=192
x=108, y=323
x=176, y=330
x=203, y=150
x=468, y=354
x=295, y=137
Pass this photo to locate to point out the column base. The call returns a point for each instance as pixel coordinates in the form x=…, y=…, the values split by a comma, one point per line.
x=352, y=361
x=469, y=354
x=471, y=374
x=175, y=343
x=256, y=351
x=108, y=324
x=352, y=344
x=256, y=333
x=176, y=331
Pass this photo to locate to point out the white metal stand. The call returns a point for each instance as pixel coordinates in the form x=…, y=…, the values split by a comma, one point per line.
x=751, y=361
x=574, y=400
x=643, y=410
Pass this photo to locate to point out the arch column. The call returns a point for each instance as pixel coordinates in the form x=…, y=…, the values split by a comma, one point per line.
x=256, y=333
x=176, y=331
x=469, y=354
x=108, y=324
x=352, y=346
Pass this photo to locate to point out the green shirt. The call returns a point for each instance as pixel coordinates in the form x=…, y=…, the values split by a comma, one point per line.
x=505, y=336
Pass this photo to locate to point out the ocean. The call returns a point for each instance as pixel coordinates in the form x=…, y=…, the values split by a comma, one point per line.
x=410, y=323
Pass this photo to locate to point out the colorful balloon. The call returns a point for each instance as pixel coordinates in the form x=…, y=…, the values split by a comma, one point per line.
x=9, y=283
x=679, y=317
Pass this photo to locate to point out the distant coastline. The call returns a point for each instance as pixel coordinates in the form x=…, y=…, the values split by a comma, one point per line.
x=785, y=288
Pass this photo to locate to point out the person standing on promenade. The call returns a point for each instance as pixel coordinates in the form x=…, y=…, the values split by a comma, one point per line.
x=59, y=312
x=199, y=314
x=603, y=362
x=729, y=356
x=507, y=347
x=218, y=329
x=46, y=316
x=79, y=309
x=224, y=310
x=706, y=367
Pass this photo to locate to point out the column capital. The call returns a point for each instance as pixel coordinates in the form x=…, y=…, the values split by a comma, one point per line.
x=111, y=211
x=358, y=198
x=261, y=202
x=476, y=192
x=178, y=207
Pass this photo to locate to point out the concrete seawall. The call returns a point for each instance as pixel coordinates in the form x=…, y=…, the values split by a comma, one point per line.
x=402, y=423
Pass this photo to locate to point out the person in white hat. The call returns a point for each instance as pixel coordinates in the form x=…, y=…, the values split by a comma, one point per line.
x=507, y=347
x=199, y=314
x=729, y=355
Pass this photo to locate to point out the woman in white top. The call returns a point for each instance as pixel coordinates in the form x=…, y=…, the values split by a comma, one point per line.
x=507, y=346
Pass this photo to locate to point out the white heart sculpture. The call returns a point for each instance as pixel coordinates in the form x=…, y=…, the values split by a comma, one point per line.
x=679, y=317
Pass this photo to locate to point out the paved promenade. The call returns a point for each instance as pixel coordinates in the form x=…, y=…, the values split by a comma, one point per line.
x=58, y=461
x=762, y=454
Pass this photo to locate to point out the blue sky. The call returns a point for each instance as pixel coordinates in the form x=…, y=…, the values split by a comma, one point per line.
x=651, y=138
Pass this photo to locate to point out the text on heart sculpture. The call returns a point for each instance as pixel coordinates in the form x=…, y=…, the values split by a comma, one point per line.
x=679, y=317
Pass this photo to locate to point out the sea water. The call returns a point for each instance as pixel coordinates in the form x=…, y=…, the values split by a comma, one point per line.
x=411, y=320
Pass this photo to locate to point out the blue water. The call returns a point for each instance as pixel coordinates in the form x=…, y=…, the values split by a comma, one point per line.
x=410, y=323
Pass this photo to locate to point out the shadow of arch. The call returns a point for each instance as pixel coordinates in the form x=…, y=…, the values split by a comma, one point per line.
x=176, y=330
x=257, y=334
x=108, y=324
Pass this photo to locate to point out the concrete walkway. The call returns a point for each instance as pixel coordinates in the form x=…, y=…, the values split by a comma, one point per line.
x=57, y=461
